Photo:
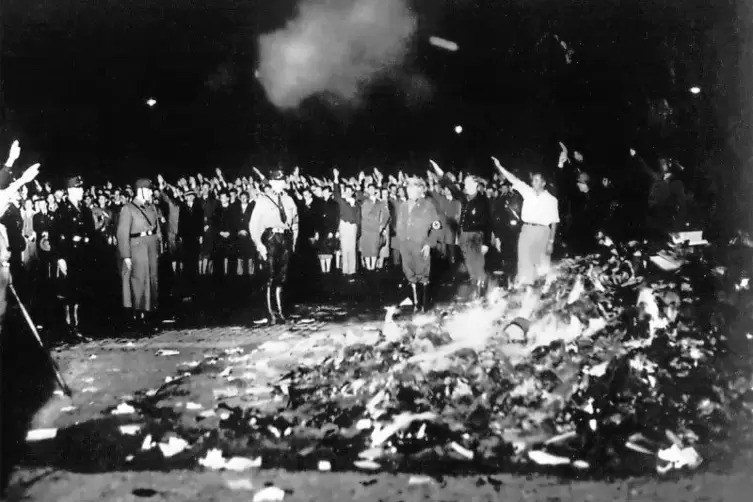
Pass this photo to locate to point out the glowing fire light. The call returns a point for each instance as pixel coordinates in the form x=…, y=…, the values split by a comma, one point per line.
x=458, y=129
x=695, y=90
x=151, y=102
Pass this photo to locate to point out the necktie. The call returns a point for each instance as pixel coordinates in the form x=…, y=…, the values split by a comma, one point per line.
x=283, y=216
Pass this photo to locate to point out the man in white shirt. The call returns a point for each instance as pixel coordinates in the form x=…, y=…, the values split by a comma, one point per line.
x=274, y=230
x=540, y=216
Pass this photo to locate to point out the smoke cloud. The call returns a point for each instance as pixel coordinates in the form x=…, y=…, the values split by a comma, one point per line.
x=336, y=48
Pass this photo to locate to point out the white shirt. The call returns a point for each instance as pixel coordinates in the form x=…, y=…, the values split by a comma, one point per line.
x=266, y=215
x=539, y=209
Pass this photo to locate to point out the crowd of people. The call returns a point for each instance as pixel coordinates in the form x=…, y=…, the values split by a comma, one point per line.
x=76, y=246
x=68, y=250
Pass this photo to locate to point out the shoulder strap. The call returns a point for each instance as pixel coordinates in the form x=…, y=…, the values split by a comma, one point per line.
x=283, y=215
x=144, y=213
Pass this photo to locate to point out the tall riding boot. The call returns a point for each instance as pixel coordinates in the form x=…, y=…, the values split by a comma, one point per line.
x=414, y=287
x=481, y=290
x=278, y=294
x=270, y=306
x=425, y=304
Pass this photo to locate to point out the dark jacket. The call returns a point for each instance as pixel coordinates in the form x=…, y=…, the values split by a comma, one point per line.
x=241, y=219
x=14, y=224
x=506, y=215
x=329, y=217
x=191, y=223
x=223, y=220
x=475, y=216
x=73, y=227
x=348, y=213
x=308, y=219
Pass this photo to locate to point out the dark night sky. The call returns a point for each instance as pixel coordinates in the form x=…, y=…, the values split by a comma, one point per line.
x=77, y=73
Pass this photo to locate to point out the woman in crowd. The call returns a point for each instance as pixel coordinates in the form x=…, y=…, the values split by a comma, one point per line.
x=375, y=217
x=328, y=234
x=350, y=217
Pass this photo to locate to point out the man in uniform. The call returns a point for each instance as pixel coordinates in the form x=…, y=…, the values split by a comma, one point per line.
x=540, y=216
x=74, y=231
x=138, y=245
x=506, y=225
x=274, y=231
x=475, y=233
x=417, y=223
x=474, y=225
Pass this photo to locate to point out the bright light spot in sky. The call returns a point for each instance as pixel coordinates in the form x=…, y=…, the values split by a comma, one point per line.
x=151, y=102
x=458, y=129
x=695, y=90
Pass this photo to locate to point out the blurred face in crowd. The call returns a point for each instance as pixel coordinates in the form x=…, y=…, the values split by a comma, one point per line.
x=233, y=196
x=75, y=195
x=605, y=182
x=277, y=185
x=205, y=189
x=102, y=201
x=470, y=186
x=384, y=194
x=370, y=190
x=583, y=183
x=88, y=200
x=347, y=192
x=224, y=199
x=308, y=197
x=402, y=194
x=50, y=200
x=538, y=183
x=447, y=193
x=244, y=198
x=42, y=205
x=145, y=194
x=190, y=198
x=414, y=191
x=664, y=165
x=52, y=206
x=59, y=196
x=490, y=193
x=504, y=190
x=326, y=193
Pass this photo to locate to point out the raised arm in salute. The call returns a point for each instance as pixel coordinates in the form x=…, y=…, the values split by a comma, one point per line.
x=540, y=216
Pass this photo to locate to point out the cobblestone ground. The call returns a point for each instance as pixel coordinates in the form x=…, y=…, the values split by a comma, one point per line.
x=105, y=373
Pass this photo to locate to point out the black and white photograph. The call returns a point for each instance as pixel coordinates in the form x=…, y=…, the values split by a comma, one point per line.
x=376, y=250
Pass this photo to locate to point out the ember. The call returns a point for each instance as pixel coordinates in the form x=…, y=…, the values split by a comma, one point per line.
x=616, y=373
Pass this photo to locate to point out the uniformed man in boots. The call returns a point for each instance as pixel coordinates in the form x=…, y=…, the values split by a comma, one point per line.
x=74, y=231
x=474, y=226
x=416, y=230
x=274, y=231
x=139, y=244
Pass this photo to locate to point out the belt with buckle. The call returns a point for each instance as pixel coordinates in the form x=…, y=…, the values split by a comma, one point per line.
x=142, y=234
x=78, y=238
x=278, y=230
x=535, y=224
